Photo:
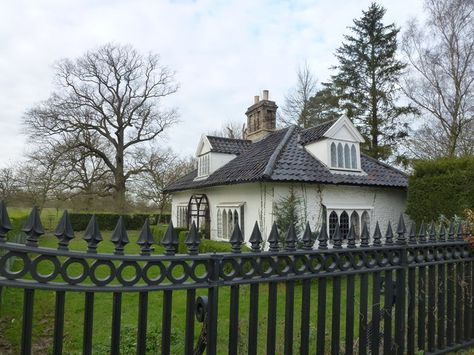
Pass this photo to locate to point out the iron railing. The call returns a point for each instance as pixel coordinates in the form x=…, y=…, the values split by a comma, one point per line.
x=403, y=294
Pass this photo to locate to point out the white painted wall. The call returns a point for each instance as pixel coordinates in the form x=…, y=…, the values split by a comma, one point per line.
x=320, y=150
x=258, y=198
x=218, y=160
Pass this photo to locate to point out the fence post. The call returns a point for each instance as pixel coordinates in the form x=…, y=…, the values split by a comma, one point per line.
x=213, y=297
x=400, y=302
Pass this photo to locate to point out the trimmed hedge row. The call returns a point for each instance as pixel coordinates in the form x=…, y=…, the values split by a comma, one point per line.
x=206, y=245
x=107, y=221
x=440, y=187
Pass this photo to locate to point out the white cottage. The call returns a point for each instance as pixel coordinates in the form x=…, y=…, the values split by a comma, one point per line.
x=240, y=180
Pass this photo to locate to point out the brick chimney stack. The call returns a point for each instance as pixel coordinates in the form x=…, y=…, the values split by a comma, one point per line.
x=261, y=117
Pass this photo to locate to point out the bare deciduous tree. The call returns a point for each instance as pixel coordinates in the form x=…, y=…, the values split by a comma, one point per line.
x=108, y=103
x=161, y=168
x=40, y=178
x=230, y=129
x=8, y=183
x=441, y=79
x=297, y=108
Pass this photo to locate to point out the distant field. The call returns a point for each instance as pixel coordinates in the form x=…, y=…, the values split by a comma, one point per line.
x=49, y=216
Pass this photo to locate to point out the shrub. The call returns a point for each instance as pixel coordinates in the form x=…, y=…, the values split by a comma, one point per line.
x=287, y=211
x=440, y=187
x=206, y=245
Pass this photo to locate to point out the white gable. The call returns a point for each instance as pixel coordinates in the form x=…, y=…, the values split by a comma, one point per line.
x=204, y=146
x=344, y=129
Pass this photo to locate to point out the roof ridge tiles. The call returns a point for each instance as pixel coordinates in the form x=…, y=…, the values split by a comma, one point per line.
x=267, y=173
x=228, y=138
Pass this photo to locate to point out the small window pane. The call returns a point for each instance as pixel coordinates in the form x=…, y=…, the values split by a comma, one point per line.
x=344, y=224
x=224, y=225
x=354, y=157
x=347, y=157
x=333, y=220
x=230, y=223
x=365, y=219
x=333, y=155
x=355, y=223
x=340, y=156
x=219, y=223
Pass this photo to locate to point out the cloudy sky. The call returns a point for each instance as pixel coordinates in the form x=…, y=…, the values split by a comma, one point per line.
x=224, y=52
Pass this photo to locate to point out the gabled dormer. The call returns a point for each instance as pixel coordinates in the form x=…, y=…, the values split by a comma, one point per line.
x=214, y=152
x=335, y=143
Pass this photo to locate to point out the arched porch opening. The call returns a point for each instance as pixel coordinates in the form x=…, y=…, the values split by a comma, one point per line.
x=198, y=211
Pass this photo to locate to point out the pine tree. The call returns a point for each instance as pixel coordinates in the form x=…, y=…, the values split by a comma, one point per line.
x=367, y=82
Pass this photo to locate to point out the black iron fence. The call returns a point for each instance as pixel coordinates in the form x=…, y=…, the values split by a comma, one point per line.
x=384, y=294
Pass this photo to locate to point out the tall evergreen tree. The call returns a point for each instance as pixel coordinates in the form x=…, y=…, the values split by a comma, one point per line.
x=367, y=82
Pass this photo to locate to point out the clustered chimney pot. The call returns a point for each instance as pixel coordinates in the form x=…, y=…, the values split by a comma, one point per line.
x=261, y=117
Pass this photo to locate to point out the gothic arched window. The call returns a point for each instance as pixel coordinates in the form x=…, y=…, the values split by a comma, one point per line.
x=340, y=156
x=333, y=155
x=355, y=222
x=347, y=157
x=354, y=157
x=365, y=219
x=344, y=224
x=219, y=224
x=333, y=221
x=225, y=230
x=230, y=223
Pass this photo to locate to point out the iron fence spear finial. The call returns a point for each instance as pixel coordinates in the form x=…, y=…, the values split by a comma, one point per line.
x=274, y=238
x=145, y=240
x=236, y=239
x=432, y=237
x=192, y=240
x=401, y=230
x=377, y=234
x=336, y=237
x=290, y=240
x=64, y=231
x=442, y=232
x=364, y=236
x=323, y=237
x=33, y=228
x=389, y=234
x=256, y=238
x=351, y=237
x=412, y=234
x=422, y=233
x=451, y=232
x=307, y=238
x=119, y=237
x=92, y=235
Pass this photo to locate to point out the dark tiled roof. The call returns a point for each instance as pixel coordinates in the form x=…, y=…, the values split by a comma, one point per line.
x=314, y=133
x=281, y=157
x=228, y=145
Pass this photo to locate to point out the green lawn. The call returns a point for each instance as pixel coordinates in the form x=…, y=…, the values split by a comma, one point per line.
x=11, y=311
x=49, y=216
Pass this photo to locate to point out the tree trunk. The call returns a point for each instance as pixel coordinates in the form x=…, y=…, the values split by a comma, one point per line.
x=119, y=175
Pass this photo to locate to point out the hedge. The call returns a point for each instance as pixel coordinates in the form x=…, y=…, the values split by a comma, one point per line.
x=206, y=245
x=440, y=187
x=107, y=221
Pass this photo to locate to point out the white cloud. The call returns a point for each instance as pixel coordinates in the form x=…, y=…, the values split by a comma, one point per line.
x=224, y=52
